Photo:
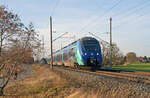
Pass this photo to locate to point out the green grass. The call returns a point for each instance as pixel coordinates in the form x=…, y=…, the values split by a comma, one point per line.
x=145, y=67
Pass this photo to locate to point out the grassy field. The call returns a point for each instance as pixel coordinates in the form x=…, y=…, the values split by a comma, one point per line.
x=145, y=67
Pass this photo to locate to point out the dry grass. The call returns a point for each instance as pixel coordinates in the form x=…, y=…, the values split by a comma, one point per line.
x=45, y=83
x=42, y=83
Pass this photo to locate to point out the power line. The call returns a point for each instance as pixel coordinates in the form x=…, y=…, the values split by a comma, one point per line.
x=133, y=18
x=144, y=5
x=99, y=6
x=130, y=9
x=57, y=2
x=99, y=38
x=129, y=20
x=60, y=36
x=136, y=10
x=108, y=10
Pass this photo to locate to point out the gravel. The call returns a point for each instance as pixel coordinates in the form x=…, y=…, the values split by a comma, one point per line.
x=105, y=86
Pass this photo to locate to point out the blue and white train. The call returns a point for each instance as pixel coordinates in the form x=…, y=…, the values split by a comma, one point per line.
x=83, y=52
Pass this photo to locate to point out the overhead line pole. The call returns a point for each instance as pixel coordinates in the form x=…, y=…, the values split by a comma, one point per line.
x=110, y=43
x=51, y=43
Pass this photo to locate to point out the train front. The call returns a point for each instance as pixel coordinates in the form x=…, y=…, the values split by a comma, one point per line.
x=91, y=52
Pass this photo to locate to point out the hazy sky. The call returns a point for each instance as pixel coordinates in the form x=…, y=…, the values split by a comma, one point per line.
x=131, y=20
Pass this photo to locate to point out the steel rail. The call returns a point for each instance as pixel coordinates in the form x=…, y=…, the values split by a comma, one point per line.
x=129, y=76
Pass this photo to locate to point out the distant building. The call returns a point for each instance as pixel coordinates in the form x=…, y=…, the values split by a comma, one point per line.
x=148, y=59
x=141, y=59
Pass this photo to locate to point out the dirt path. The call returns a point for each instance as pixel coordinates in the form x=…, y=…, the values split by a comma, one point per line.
x=26, y=72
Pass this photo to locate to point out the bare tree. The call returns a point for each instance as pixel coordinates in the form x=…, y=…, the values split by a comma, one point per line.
x=10, y=26
x=117, y=56
x=9, y=65
x=20, y=43
x=30, y=41
x=10, y=29
x=105, y=52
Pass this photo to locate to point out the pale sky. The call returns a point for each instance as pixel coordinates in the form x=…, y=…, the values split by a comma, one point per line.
x=131, y=20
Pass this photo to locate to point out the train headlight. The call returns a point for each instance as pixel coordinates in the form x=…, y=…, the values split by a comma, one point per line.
x=97, y=53
x=85, y=53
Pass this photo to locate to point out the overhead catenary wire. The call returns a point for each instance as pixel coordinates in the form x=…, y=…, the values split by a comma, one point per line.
x=108, y=10
x=52, y=14
x=130, y=8
x=129, y=11
x=60, y=36
x=133, y=18
x=54, y=9
x=101, y=40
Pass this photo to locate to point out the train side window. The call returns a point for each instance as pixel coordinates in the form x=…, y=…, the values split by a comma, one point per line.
x=57, y=58
x=65, y=55
x=72, y=52
x=54, y=59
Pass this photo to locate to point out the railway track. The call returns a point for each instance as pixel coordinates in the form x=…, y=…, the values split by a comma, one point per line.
x=128, y=76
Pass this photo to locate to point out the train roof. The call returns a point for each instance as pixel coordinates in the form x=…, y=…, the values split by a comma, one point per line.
x=81, y=39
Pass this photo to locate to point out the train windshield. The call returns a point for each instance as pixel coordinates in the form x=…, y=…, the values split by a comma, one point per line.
x=90, y=45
